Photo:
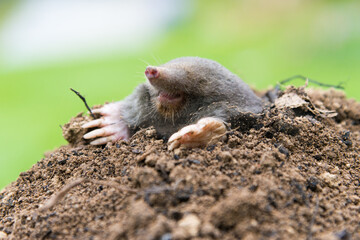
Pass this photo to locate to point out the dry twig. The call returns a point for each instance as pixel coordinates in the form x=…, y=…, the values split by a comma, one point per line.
x=339, y=86
x=84, y=100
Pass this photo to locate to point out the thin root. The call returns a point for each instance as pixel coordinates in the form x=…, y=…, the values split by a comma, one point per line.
x=62, y=193
x=84, y=100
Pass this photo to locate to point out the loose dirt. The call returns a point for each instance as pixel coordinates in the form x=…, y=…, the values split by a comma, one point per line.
x=290, y=173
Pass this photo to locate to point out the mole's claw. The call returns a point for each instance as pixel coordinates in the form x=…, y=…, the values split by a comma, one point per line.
x=103, y=140
x=199, y=134
x=173, y=144
x=101, y=132
x=95, y=123
x=98, y=110
x=111, y=127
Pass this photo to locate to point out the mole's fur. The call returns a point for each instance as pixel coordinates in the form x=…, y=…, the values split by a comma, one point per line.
x=207, y=89
x=193, y=94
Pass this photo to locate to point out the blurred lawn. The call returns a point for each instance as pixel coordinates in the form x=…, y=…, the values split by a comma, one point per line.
x=263, y=44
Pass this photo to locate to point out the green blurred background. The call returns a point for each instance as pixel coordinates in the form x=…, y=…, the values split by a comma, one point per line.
x=263, y=41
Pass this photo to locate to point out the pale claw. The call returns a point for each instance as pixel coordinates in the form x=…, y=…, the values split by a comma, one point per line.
x=105, y=131
x=95, y=123
x=98, y=110
x=198, y=134
x=111, y=126
x=103, y=140
x=110, y=133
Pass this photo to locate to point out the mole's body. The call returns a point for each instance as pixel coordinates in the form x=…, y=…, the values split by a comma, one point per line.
x=187, y=99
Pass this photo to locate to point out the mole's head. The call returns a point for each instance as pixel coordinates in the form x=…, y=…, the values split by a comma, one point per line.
x=180, y=79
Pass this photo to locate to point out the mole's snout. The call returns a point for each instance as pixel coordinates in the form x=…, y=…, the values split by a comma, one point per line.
x=151, y=73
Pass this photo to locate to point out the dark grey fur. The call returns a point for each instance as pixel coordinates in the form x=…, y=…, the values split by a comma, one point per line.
x=210, y=90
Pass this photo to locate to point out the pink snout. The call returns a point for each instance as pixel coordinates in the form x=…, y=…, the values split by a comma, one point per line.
x=151, y=73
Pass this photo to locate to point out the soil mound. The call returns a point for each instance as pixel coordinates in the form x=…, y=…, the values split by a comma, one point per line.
x=289, y=173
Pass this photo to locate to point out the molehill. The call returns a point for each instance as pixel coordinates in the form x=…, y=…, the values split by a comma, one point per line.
x=291, y=172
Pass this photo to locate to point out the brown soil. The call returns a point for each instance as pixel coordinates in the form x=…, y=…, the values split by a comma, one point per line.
x=290, y=173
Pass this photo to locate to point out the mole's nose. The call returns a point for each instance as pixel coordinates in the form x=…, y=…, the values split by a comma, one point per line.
x=151, y=73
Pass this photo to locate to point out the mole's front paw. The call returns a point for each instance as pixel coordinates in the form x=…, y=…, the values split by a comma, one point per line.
x=111, y=126
x=198, y=134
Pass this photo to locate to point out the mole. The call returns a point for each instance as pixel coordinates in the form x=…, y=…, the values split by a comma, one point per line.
x=188, y=100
